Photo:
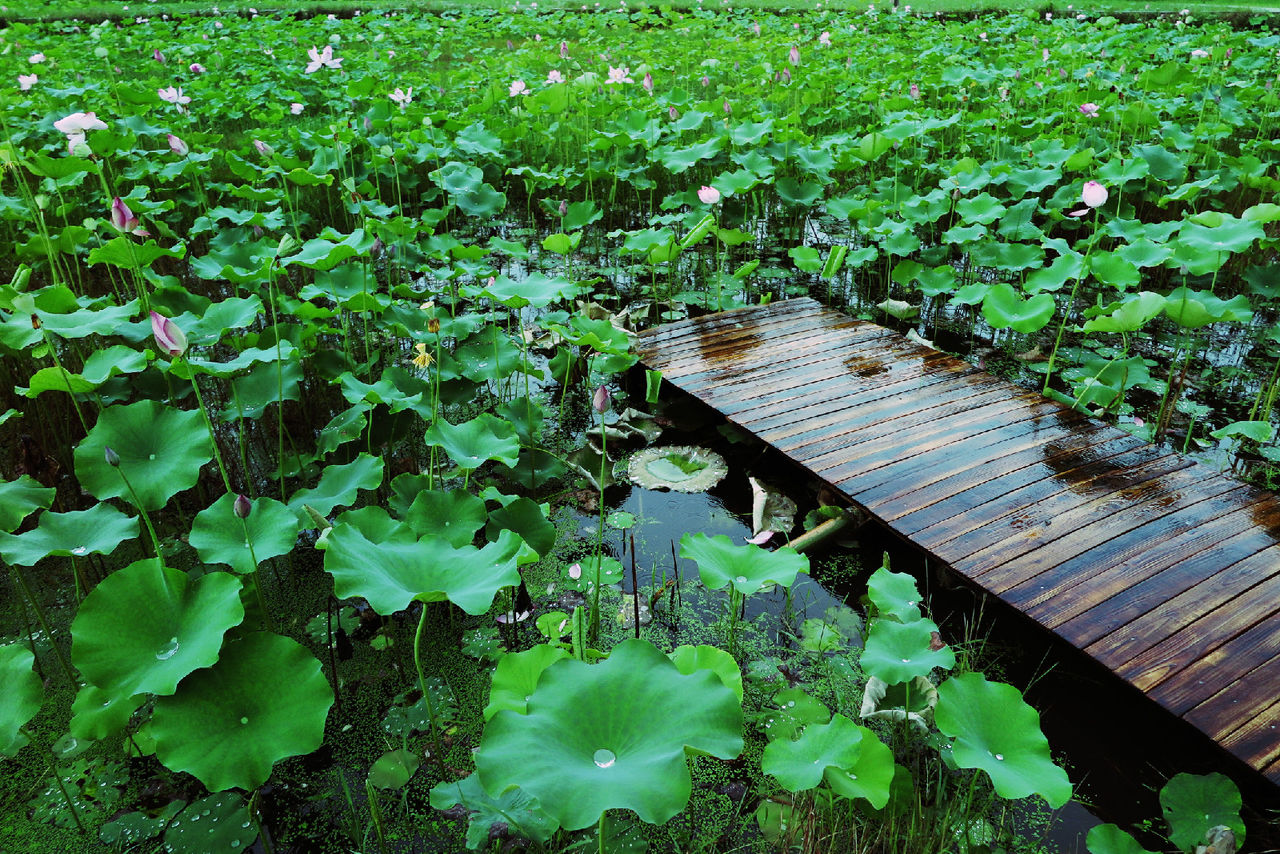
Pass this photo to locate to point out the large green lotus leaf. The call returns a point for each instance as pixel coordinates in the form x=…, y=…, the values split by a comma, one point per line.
x=472, y=443
x=894, y=594
x=1193, y=803
x=689, y=658
x=527, y=518
x=96, y=713
x=453, y=515
x=1194, y=309
x=748, y=568
x=145, y=627
x=161, y=450
x=219, y=823
x=534, y=289
x=338, y=487
x=611, y=735
x=217, y=534
x=514, y=810
x=899, y=652
x=489, y=355
x=20, y=498
x=1004, y=308
x=98, y=530
x=850, y=757
x=1109, y=839
x=1127, y=315
x=995, y=730
x=389, y=566
x=517, y=675
x=265, y=699
x=21, y=694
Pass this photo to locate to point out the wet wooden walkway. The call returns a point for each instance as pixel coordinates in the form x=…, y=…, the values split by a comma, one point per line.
x=1158, y=567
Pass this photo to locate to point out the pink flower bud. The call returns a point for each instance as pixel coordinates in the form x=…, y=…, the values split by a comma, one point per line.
x=1094, y=194
x=177, y=146
x=794, y=56
x=673, y=113
x=113, y=459
x=121, y=217
x=262, y=147
x=169, y=337
x=157, y=56
x=648, y=82
x=564, y=50
x=242, y=506
x=564, y=207
x=601, y=399
x=708, y=195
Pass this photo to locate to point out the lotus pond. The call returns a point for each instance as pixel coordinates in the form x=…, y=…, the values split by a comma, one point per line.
x=338, y=516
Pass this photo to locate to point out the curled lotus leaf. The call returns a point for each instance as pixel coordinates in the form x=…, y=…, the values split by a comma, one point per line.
x=263, y=700
x=611, y=736
x=680, y=468
x=912, y=701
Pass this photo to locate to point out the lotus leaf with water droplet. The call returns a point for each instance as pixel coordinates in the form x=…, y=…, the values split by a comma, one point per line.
x=98, y=530
x=219, y=822
x=899, y=652
x=611, y=736
x=681, y=468
x=748, y=568
x=995, y=730
x=263, y=700
x=161, y=451
x=852, y=760
x=145, y=627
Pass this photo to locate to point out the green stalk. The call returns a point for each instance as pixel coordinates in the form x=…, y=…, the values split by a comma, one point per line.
x=1071, y=301
x=213, y=437
x=44, y=624
x=422, y=685
x=155, y=540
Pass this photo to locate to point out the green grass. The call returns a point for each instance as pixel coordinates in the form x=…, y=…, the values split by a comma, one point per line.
x=54, y=10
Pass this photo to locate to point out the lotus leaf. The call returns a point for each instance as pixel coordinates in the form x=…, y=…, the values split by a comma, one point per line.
x=1005, y=308
x=894, y=594
x=338, y=487
x=527, y=518
x=98, y=530
x=472, y=443
x=514, y=809
x=1109, y=839
x=372, y=556
x=913, y=701
x=219, y=822
x=453, y=515
x=218, y=536
x=516, y=676
x=145, y=627
x=796, y=710
x=770, y=509
x=265, y=699
x=677, y=467
x=161, y=451
x=855, y=763
x=689, y=658
x=1194, y=803
x=995, y=730
x=898, y=652
x=393, y=769
x=611, y=735
x=97, y=714
x=748, y=567
x=21, y=694
x=20, y=498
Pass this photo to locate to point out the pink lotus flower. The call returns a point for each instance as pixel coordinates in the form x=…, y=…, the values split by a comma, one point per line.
x=26, y=81
x=914, y=91
x=196, y=68
x=517, y=88
x=1044, y=55
x=706, y=81
x=177, y=146
x=619, y=75
x=401, y=98
x=673, y=113
x=648, y=82
x=825, y=39
x=173, y=95
x=36, y=58
x=728, y=108
x=601, y=400
x=708, y=195
x=794, y=56
x=122, y=218
x=263, y=149
x=755, y=27
x=1094, y=194
x=157, y=56
x=1089, y=108
x=169, y=337
x=295, y=108
x=554, y=76
x=1199, y=53
x=321, y=59
x=79, y=123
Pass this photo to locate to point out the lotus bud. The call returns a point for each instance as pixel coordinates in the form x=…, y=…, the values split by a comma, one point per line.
x=113, y=459
x=121, y=217
x=157, y=56
x=1094, y=194
x=648, y=82
x=564, y=207
x=168, y=336
x=317, y=517
x=673, y=113
x=601, y=399
x=262, y=147
x=564, y=50
x=242, y=506
x=708, y=195
x=177, y=146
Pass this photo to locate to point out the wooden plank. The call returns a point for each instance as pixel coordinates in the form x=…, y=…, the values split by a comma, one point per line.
x=1211, y=628
x=713, y=355
x=1144, y=569
x=1243, y=569
x=1256, y=737
x=1243, y=698
x=660, y=337
x=1244, y=654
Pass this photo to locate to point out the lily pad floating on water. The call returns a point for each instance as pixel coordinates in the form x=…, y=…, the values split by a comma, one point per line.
x=681, y=468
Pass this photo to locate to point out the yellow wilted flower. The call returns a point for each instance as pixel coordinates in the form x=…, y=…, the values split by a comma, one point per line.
x=423, y=359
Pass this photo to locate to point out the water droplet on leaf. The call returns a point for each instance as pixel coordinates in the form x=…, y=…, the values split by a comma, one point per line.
x=604, y=758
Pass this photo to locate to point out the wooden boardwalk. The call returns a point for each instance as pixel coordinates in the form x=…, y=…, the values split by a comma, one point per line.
x=1158, y=567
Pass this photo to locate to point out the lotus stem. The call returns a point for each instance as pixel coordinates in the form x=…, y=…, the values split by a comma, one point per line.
x=213, y=437
x=44, y=624
x=142, y=511
x=66, y=796
x=438, y=743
